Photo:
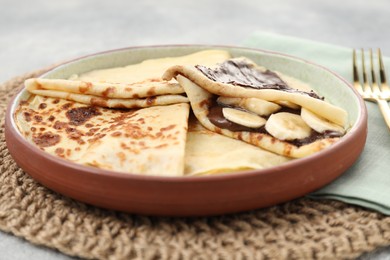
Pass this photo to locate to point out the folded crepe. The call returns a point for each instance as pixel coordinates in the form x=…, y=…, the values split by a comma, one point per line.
x=240, y=100
x=112, y=95
x=146, y=141
x=133, y=86
x=70, y=118
x=209, y=153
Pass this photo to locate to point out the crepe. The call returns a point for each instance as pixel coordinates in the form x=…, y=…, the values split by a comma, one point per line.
x=106, y=102
x=70, y=118
x=209, y=153
x=249, y=112
x=256, y=84
x=133, y=86
x=146, y=141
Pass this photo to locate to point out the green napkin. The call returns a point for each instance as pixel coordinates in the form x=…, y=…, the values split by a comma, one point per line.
x=367, y=182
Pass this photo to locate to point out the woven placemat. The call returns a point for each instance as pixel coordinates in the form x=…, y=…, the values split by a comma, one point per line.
x=300, y=229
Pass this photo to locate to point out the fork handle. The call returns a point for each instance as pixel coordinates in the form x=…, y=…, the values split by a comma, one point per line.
x=385, y=109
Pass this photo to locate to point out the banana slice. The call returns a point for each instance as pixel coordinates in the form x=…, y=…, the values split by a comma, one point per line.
x=287, y=126
x=243, y=118
x=255, y=105
x=320, y=124
x=229, y=100
x=288, y=104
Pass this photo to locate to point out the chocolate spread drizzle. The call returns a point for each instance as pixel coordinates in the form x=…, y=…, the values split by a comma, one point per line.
x=244, y=74
x=216, y=118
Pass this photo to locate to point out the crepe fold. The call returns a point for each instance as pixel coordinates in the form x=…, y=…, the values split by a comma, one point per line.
x=76, y=119
x=210, y=153
x=133, y=86
x=229, y=88
x=111, y=95
x=203, y=92
x=147, y=141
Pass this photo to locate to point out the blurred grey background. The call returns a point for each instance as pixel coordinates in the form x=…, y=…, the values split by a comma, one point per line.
x=36, y=34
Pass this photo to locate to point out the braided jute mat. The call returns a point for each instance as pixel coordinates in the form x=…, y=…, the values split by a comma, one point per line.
x=300, y=229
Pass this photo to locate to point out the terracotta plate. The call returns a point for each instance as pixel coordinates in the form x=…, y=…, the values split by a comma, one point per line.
x=208, y=195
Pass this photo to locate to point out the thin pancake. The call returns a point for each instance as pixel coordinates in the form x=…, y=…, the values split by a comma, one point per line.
x=152, y=69
x=146, y=88
x=134, y=86
x=113, y=102
x=201, y=101
x=208, y=153
x=229, y=89
x=146, y=141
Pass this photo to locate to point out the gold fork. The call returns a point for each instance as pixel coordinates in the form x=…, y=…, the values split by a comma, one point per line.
x=372, y=91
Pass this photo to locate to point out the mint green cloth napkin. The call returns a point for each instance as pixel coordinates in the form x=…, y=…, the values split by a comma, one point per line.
x=367, y=182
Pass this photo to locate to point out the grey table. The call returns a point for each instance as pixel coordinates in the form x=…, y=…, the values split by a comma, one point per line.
x=36, y=34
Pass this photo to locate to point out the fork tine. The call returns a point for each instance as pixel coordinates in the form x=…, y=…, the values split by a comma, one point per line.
x=381, y=94
x=382, y=72
x=366, y=85
x=356, y=81
x=375, y=86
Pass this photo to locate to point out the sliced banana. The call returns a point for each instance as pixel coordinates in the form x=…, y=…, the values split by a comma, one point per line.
x=287, y=126
x=318, y=123
x=260, y=107
x=231, y=101
x=287, y=104
x=243, y=118
x=255, y=105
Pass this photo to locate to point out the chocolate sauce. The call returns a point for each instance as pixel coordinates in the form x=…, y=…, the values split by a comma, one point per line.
x=314, y=136
x=216, y=117
x=244, y=74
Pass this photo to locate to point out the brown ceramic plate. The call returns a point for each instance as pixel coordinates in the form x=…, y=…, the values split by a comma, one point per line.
x=209, y=195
